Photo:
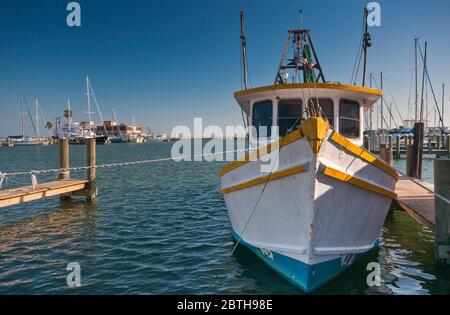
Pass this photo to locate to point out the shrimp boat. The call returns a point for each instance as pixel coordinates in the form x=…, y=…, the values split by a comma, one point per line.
x=325, y=204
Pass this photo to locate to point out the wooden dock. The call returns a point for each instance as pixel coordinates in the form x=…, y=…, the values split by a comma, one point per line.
x=416, y=200
x=64, y=187
x=28, y=193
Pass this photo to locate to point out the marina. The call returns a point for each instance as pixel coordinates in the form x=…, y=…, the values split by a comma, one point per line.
x=296, y=182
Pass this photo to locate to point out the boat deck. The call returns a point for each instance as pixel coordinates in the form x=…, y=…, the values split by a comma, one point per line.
x=50, y=189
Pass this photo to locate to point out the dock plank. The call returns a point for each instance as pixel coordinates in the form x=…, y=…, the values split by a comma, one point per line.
x=25, y=194
x=416, y=200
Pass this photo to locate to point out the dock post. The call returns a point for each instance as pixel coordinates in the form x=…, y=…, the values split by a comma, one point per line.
x=438, y=143
x=64, y=163
x=397, y=148
x=386, y=154
x=447, y=146
x=416, y=162
x=366, y=142
x=442, y=213
x=409, y=160
x=91, y=162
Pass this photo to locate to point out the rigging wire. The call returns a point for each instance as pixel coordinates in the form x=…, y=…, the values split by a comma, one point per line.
x=387, y=107
x=358, y=56
x=392, y=97
x=432, y=89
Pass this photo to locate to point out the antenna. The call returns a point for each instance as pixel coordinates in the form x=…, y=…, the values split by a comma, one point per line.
x=301, y=18
x=244, y=50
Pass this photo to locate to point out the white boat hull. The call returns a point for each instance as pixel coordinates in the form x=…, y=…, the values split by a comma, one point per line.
x=318, y=212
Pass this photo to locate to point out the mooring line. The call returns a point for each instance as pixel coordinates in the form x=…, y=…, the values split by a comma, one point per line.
x=118, y=164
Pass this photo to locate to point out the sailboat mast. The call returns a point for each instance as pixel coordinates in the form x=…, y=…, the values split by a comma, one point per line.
x=415, y=71
x=88, y=104
x=371, y=108
x=69, y=117
x=423, y=82
x=381, y=109
x=443, y=102
x=37, y=117
x=21, y=115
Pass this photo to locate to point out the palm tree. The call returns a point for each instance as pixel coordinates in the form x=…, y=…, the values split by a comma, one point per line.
x=67, y=113
x=49, y=126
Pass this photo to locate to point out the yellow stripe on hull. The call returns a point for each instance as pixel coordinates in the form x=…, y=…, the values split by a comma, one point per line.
x=264, y=179
x=253, y=156
x=363, y=154
x=343, y=177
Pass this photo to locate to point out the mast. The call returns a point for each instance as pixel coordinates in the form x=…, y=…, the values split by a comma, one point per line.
x=415, y=71
x=69, y=117
x=390, y=116
x=381, y=110
x=442, y=111
x=423, y=82
x=367, y=42
x=21, y=115
x=244, y=51
x=88, y=104
x=371, y=108
x=37, y=117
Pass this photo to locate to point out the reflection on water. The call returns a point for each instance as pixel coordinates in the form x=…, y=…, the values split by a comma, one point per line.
x=163, y=228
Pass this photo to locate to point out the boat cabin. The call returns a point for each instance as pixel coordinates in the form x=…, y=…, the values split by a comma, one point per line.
x=284, y=105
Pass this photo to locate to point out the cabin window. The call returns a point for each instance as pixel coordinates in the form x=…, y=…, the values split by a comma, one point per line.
x=289, y=115
x=327, y=108
x=349, y=118
x=262, y=118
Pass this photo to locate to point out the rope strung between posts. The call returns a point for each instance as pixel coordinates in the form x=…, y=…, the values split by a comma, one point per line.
x=34, y=173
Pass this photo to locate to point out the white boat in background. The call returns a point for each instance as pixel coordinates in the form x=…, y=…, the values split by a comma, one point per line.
x=326, y=202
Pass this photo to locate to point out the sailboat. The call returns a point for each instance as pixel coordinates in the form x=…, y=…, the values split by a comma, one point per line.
x=325, y=204
x=88, y=132
x=23, y=140
x=135, y=138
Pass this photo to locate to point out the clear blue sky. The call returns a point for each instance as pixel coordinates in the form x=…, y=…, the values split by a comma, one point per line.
x=169, y=61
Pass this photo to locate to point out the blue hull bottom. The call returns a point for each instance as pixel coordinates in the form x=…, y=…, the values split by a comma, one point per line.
x=307, y=277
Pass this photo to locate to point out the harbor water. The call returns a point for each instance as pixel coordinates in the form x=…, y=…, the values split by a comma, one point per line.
x=163, y=228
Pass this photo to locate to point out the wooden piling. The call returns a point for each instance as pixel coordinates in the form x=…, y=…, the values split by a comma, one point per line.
x=448, y=145
x=397, y=147
x=91, y=162
x=416, y=159
x=386, y=154
x=442, y=213
x=366, y=142
x=64, y=163
x=409, y=162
